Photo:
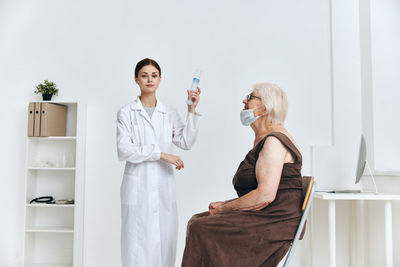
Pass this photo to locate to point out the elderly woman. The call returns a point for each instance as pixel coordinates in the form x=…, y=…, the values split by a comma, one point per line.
x=256, y=228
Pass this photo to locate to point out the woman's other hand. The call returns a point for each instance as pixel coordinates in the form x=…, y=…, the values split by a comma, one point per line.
x=175, y=160
x=215, y=207
x=195, y=97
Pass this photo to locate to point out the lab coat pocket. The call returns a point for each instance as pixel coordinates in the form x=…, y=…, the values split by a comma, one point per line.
x=130, y=189
x=168, y=132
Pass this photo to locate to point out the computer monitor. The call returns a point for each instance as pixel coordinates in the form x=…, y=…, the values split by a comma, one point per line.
x=362, y=162
x=362, y=159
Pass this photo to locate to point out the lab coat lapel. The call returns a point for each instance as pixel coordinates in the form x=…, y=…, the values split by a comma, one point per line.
x=137, y=105
x=158, y=114
x=144, y=114
x=157, y=119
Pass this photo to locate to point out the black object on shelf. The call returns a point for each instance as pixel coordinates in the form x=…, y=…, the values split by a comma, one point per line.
x=44, y=199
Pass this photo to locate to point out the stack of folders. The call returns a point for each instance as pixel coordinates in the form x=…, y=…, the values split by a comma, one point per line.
x=46, y=119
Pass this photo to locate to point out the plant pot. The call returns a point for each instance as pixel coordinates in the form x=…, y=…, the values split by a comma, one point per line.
x=47, y=97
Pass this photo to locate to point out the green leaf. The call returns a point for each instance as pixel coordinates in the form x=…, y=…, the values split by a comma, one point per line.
x=47, y=88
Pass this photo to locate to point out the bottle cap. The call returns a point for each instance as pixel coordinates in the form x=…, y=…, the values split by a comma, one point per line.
x=197, y=74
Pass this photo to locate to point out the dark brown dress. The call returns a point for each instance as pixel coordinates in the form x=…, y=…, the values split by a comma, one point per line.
x=249, y=238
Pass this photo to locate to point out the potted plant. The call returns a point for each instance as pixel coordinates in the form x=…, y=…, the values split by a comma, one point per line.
x=48, y=89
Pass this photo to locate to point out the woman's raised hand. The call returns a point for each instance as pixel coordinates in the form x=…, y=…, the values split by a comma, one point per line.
x=175, y=160
x=195, y=97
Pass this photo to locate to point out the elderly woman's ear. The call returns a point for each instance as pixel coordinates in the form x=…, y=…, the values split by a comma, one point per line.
x=260, y=111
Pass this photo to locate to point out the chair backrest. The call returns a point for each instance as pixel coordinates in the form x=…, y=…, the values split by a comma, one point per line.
x=308, y=192
x=308, y=182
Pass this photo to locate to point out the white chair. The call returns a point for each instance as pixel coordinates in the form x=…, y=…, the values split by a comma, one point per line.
x=308, y=192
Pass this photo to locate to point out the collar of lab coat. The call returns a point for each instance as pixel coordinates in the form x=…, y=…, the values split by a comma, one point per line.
x=137, y=105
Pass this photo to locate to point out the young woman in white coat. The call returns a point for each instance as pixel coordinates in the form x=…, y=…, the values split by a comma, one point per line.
x=146, y=130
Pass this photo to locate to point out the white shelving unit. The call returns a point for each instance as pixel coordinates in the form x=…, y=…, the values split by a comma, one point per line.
x=53, y=233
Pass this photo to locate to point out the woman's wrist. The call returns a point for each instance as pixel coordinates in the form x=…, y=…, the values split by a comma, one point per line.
x=228, y=205
x=192, y=110
x=222, y=207
x=162, y=155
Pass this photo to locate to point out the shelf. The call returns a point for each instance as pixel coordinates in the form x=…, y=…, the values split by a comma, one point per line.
x=53, y=138
x=50, y=169
x=53, y=233
x=49, y=229
x=72, y=103
x=50, y=205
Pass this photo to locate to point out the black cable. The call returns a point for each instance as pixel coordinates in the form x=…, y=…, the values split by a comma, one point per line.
x=44, y=199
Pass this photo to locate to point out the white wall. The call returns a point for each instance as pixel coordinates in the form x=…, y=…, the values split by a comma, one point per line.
x=385, y=56
x=357, y=27
x=90, y=49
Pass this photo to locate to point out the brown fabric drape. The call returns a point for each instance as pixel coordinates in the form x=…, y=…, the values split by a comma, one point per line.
x=249, y=238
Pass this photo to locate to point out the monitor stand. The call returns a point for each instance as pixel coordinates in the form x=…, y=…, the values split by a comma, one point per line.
x=373, y=180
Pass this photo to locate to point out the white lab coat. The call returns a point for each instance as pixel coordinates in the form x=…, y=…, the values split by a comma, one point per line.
x=149, y=225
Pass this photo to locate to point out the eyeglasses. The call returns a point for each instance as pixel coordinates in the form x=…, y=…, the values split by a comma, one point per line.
x=251, y=96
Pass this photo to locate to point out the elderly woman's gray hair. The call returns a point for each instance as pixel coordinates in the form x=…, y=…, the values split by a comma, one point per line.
x=274, y=99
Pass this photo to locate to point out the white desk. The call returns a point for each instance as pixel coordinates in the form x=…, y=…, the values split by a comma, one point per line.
x=359, y=197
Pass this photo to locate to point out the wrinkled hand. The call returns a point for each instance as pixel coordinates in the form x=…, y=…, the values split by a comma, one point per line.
x=215, y=204
x=194, y=95
x=175, y=160
x=215, y=207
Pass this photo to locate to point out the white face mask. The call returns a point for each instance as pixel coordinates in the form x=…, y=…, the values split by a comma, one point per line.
x=247, y=117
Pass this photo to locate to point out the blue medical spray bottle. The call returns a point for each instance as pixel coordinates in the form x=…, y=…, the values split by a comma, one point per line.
x=195, y=84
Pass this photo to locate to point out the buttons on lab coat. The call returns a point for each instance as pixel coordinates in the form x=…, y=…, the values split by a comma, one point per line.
x=155, y=211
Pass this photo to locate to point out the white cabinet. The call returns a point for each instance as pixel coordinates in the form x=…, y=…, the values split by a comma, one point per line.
x=53, y=233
